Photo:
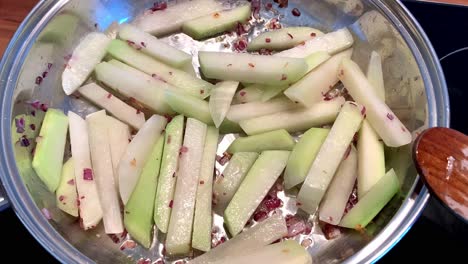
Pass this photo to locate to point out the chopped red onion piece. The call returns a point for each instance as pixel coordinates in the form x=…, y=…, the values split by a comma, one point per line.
x=87, y=174
x=38, y=80
x=331, y=231
x=296, y=12
x=158, y=6
x=24, y=142
x=19, y=123
x=390, y=116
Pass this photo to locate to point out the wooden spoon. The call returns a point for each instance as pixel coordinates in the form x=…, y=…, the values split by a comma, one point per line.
x=441, y=158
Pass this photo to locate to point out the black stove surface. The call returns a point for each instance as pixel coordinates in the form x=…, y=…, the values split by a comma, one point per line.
x=436, y=236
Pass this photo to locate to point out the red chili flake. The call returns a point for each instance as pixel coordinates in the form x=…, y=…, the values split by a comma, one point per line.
x=265, y=52
x=313, y=34
x=240, y=29
x=282, y=3
x=43, y=107
x=44, y=74
x=33, y=113
x=33, y=127
x=341, y=72
x=71, y=182
x=38, y=80
x=331, y=231
x=133, y=162
x=229, y=65
x=216, y=15
x=159, y=6
x=403, y=129
x=202, y=182
x=138, y=111
x=168, y=118
x=173, y=175
x=155, y=76
x=168, y=141
x=144, y=261
x=19, y=123
x=296, y=12
x=171, y=203
x=390, y=116
x=87, y=174
x=284, y=77
x=259, y=216
x=202, y=91
x=82, y=197
x=24, y=142
x=46, y=213
x=109, y=95
x=183, y=149
x=240, y=45
x=363, y=111
x=78, y=202
x=298, y=203
x=268, y=40
x=242, y=93
x=251, y=65
x=143, y=44
x=291, y=36
x=61, y=198
x=170, y=73
x=49, y=65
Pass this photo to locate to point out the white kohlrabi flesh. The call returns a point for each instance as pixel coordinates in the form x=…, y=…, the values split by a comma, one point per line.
x=103, y=171
x=85, y=57
x=113, y=105
x=119, y=137
x=380, y=116
x=313, y=87
x=251, y=93
x=179, y=233
x=256, y=237
x=136, y=155
x=89, y=204
x=284, y=38
x=169, y=20
x=375, y=74
x=329, y=156
x=220, y=100
x=250, y=110
x=154, y=47
x=66, y=191
x=335, y=200
x=295, y=120
x=332, y=43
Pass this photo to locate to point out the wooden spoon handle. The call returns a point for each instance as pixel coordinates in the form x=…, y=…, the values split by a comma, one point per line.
x=441, y=157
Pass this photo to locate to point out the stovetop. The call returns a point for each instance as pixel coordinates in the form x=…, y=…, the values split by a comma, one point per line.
x=436, y=235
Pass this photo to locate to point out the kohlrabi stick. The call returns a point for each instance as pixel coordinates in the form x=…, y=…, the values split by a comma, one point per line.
x=332, y=43
x=169, y=20
x=154, y=47
x=138, y=213
x=66, y=191
x=249, y=94
x=134, y=85
x=244, y=67
x=312, y=88
x=48, y=156
x=119, y=137
x=103, y=171
x=85, y=57
x=380, y=116
x=226, y=186
x=167, y=175
x=329, y=156
x=288, y=251
x=137, y=154
x=203, y=219
x=284, y=38
x=372, y=202
x=273, y=140
x=250, y=110
x=335, y=200
x=303, y=155
x=260, y=178
x=179, y=233
x=371, y=165
x=220, y=100
x=113, y=105
x=375, y=74
x=295, y=120
x=184, y=81
x=89, y=204
x=262, y=234
x=216, y=22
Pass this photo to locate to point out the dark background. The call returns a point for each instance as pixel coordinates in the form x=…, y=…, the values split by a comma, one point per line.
x=436, y=236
